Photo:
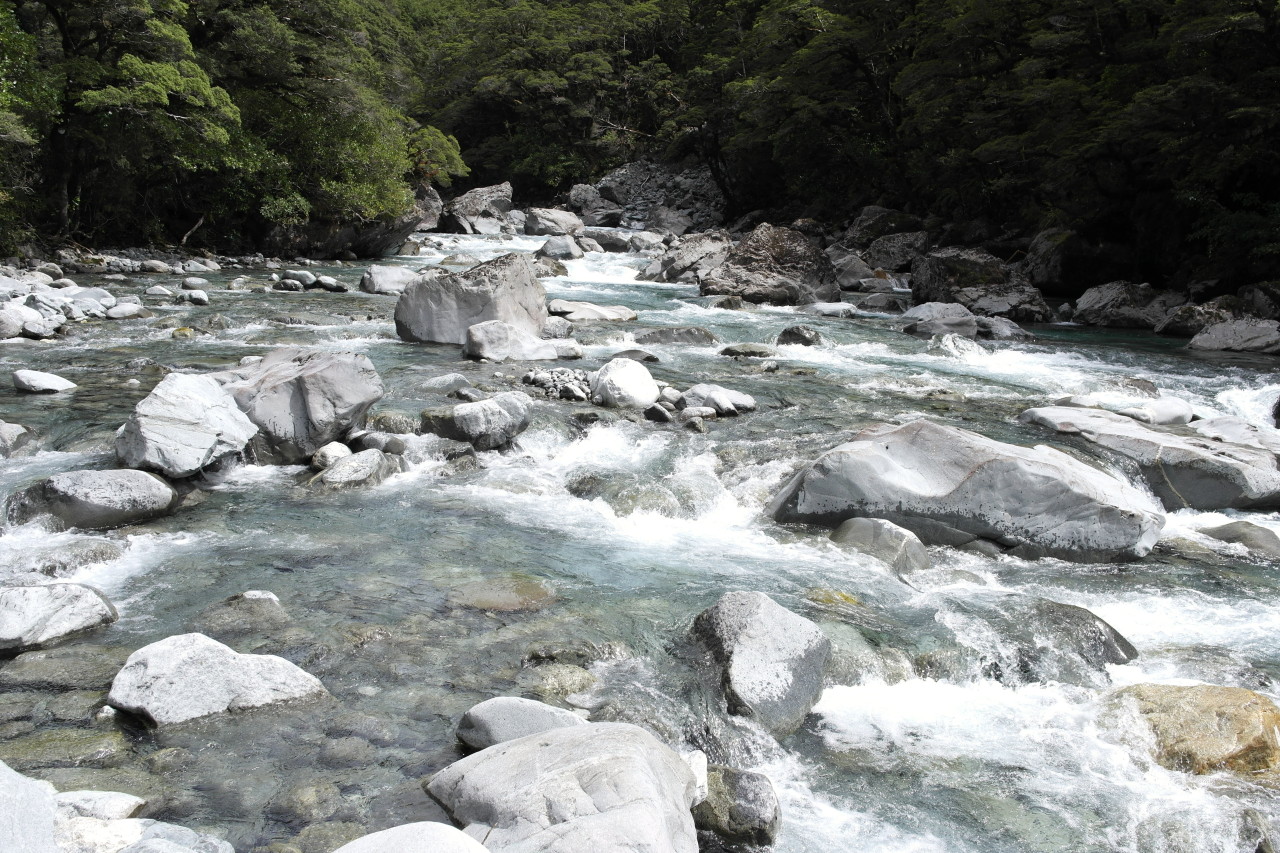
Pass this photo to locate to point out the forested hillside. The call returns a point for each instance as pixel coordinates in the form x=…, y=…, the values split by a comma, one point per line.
x=1149, y=126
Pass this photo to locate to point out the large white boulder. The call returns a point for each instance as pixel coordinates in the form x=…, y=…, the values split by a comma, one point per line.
x=726, y=401
x=581, y=789
x=190, y=675
x=772, y=661
x=32, y=616
x=624, y=384
x=184, y=425
x=98, y=500
x=498, y=341
x=386, y=278
x=301, y=400
x=1183, y=468
x=1037, y=500
x=542, y=221
x=440, y=308
x=505, y=718
x=38, y=382
x=27, y=814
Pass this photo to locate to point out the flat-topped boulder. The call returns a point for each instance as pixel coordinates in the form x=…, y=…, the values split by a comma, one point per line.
x=548, y=222
x=440, y=308
x=603, y=786
x=774, y=265
x=494, y=340
x=186, y=424
x=190, y=675
x=97, y=500
x=940, y=318
x=1182, y=468
x=771, y=661
x=1243, y=335
x=1036, y=500
x=581, y=311
x=301, y=400
x=420, y=837
x=34, y=616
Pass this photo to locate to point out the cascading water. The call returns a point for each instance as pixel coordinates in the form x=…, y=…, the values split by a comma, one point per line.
x=574, y=566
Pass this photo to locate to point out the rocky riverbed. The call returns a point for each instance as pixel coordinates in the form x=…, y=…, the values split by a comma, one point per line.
x=745, y=574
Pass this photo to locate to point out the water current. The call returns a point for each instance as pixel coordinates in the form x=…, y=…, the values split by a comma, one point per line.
x=571, y=568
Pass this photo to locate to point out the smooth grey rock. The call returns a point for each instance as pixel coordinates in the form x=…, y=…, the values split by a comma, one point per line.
x=1255, y=537
x=505, y=718
x=749, y=350
x=940, y=318
x=302, y=277
x=27, y=814
x=385, y=278
x=481, y=211
x=541, y=221
x=446, y=384
x=494, y=423
x=421, y=837
x=329, y=454
x=10, y=324
x=1246, y=335
x=695, y=335
x=1001, y=329
x=127, y=311
x=623, y=384
x=190, y=675
x=195, y=297
x=301, y=400
x=850, y=268
x=1038, y=500
x=34, y=616
x=440, y=309
x=13, y=437
x=774, y=265
x=557, y=328
x=1187, y=321
x=901, y=549
x=1183, y=469
x=194, y=283
x=498, y=341
x=724, y=401
x=604, y=786
x=772, y=662
x=581, y=311
x=98, y=500
x=184, y=425
x=1164, y=411
x=101, y=805
x=366, y=468
x=37, y=382
x=561, y=249
x=741, y=807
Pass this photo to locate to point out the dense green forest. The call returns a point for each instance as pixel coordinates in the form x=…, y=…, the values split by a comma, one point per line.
x=1149, y=126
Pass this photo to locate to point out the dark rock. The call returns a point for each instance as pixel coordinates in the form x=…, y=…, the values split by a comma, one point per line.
x=741, y=807
x=1187, y=321
x=1256, y=538
x=1261, y=300
x=774, y=265
x=884, y=303
x=636, y=355
x=894, y=252
x=1240, y=336
x=876, y=222
x=979, y=281
x=376, y=238
x=749, y=351
x=676, y=335
x=802, y=335
x=1125, y=305
x=692, y=257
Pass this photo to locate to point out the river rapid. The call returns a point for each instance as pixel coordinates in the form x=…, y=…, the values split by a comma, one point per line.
x=571, y=568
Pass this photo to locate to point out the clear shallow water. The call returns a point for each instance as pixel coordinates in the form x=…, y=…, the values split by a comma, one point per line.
x=609, y=539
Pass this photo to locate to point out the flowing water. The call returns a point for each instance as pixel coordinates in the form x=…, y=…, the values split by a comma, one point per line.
x=571, y=569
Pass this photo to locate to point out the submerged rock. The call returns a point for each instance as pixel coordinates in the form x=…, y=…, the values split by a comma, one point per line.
x=366, y=468
x=774, y=265
x=603, y=786
x=187, y=423
x=675, y=335
x=1258, y=539
x=34, y=616
x=36, y=382
x=505, y=718
x=440, y=309
x=1037, y=500
x=97, y=500
x=1205, y=728
x=772, y=662
x=190, y=675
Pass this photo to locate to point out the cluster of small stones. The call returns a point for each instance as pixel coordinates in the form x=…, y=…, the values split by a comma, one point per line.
x=561, y=383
